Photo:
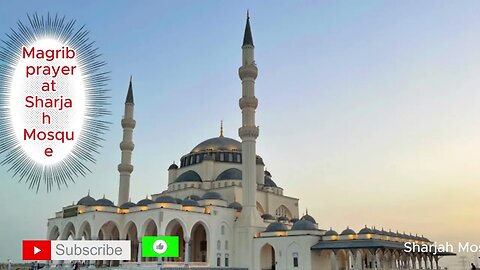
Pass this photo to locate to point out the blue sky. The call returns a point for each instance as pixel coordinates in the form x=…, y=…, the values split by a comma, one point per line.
x=377, y=100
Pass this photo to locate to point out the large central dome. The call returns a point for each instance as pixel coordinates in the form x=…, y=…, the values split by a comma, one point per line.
x=218, y=144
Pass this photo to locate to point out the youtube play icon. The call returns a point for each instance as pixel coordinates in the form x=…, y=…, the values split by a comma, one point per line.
x=36, y=250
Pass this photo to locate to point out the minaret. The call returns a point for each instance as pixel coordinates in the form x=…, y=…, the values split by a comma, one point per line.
x=249, y=131
x=125, y=168
x=249, y=222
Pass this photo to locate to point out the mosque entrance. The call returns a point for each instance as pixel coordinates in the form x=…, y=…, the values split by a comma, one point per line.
x=150, y=230
x=133, y=237
x=174, y=228
x=198, y=251
x=267, y=257
x=108, y=231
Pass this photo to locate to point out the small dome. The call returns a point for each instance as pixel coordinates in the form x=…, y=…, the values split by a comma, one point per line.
x=144, y=202
x=127, y=205
x=178, y=200
x=283, y=218
x=267, y=173
x=193, y=197
x=365, y=230
x=309, y=218
x=212, y=195
x=236, y=205
x=375, y=231
x=230, y=174
x=165, y=199
x=218, y=144
x=293, y=220
x=190, y=203
x=331, y=233
x=87, y=201
x=303, y=225
x=104, y=202
x=347, y=231
x=269, y=182
x=259, y=161
x=189, y=176
x=268, y=217
x=173, y=167
x=275, y=227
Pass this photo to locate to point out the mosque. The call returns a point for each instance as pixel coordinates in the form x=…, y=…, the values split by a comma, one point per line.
x=228, y=211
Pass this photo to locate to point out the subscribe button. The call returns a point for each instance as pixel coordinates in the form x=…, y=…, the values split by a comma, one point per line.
x=43, y=250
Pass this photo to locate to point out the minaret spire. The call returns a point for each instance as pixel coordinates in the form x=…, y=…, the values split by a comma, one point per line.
x=125, y=168
x=129, y=98
x=247, y=36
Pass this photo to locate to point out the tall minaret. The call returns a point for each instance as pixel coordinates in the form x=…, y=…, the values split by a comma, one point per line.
x=249, y=131
x=125, y=168
x=249, y=222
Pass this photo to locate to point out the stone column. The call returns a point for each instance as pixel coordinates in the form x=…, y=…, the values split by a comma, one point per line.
x=139, y=256
x=187, y=251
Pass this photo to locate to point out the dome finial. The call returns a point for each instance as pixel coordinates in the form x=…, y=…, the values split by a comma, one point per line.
x=88, y=194
x=221, y=128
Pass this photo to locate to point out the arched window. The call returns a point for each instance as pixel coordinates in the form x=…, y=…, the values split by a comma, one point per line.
x=219, y=259
x=226, y=244
x=283, y=211
x=219, y=245
x=223, y=230
x=226, y=260
x=295, y=259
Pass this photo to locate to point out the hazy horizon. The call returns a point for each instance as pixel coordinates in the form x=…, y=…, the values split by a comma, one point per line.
x=375, y=101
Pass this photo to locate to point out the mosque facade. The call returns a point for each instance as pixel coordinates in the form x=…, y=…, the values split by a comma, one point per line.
x=227, y=210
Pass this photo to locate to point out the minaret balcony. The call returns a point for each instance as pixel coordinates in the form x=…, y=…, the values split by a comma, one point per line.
x=248, y=102
x=128, y=123
x=129, y=146
x=125, y=168
x=248, y=132
x=249, y=71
